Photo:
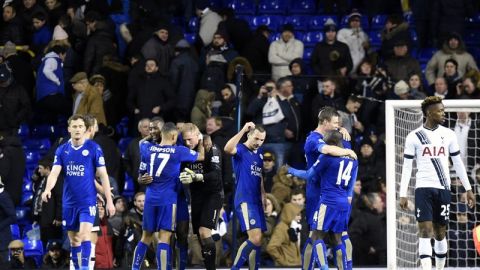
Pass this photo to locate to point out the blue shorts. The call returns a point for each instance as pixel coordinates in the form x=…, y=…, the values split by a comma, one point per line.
x=251, y=216
x=182, y=209
x=432, y=204
x=330, y=219
x=159, y=217
x=73, y=216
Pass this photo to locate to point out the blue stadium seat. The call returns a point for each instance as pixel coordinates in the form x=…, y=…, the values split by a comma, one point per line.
x=272, y=21
x=190, y=37
x=23, y=215
x=426, y=54
x=302, y=7
x=375, y=38
x=43, y=131
x=27, y=185
x=378, y=22
x=34, y=249
x=299, y=35
x=122, y=129
x=23, y=131
x=272, y=7
x=312, y=38
x=32, y=157
x=129, y=187
x=27, y=198
x=274, y=36
x=300, y=23
x=472, y=38
x=41, y=145
x=243, y=6
x=193, y=25
x=473, y=22
x=414, y=36
x=409, y=18
x=363, y=22
x=15, y=230
x=215, y=3
x=307, y=53
x=318, y=22
x=123, y=143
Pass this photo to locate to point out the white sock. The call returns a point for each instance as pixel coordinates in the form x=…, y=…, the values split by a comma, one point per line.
x=441, y=248
x=425, y=251
x=91, y=264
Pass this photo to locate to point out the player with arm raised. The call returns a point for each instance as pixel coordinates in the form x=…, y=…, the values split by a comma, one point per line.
x=160, y=169
x=249, y=192
x=328, y=119
x=81, y=159
x=431, y=145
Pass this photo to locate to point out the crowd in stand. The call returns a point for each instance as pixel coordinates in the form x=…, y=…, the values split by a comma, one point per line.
x=121, y=59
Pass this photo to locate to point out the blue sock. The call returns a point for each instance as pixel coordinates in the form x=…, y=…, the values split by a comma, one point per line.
x=307, y=255
x=139, y=255
x=340, y=256
x=75, y=251
x=243, y=253
x=348, y=248
x=163, y=256
x=86, y=252
x=182, y=256
x=320, y=254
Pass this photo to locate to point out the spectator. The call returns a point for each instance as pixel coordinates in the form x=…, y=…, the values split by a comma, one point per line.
x=237, y=28
x=256, y=50
x=292, y=113
x=7, y=217
x=401, y=64
x=48, y=215
x=283, y=185
x=396, y=30
x=55, y=9
x=470, y=87
x=120, y=211
x=284, y=245
x=451, y=75
x=184, y=77
x=269, y=171
x=56, y=257
x=18, y=260
x=442, y=90
x=15, y=104
x=12, y=164
x=26, y=12
x=158, y=48
x=348, y=117
x=402, y=91
x=331, y=57
x=272, y=210
x=368, y=235
x=42, y=34
x=453, y=48
x=202, y=109
x=87, y=100
x=416, y=86
x=303, y=86
x=131, y=156
x=328, y=96
x=104, y=247
x=12, y=27
x=371, y=166
x=283, y=51
x=297, y=197
x=209, y=21
x=100, y=42
x=151, y=94
x=98, y=83
x=448, y=17
x=355, y=38
x=22, y=70
x=229, y=101
x=136, y=213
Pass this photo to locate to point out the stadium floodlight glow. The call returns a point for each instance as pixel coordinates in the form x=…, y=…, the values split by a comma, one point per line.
x=401, y=117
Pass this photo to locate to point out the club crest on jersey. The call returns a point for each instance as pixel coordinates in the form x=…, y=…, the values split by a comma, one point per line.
x=252, y=221
x=85, y=152
x=101, y=161
x=433, y=151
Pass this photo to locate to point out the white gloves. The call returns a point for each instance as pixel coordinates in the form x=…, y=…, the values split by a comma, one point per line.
x=188, y=176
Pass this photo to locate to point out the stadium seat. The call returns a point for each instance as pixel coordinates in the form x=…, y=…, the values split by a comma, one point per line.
x=272, y=7
x=190, y=37
x=274, y=36
x=243, y=6
x=363, y=22
x=32, y=157
x=193, y=25
x=23, y=215
x=375, y=38
x=299, y=35
x=414, y=36
x=23, y=131
x=272, y=21
x=27, y=185
x=409, y=19
x=302, y=7
x=15, y=230
x=307, y=53
x=318, y=22
x=123, y=143
x=472, y=38
x=40, y=145
x=43, y=131
x=122, y=129
x=378, y=22
x=27, y=198
x=34, y=249
x=300, y=23
x=312, y=38
x=425, y=55
x=129, y=187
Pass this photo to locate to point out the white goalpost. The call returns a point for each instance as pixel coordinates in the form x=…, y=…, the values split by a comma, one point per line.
x=403, y=116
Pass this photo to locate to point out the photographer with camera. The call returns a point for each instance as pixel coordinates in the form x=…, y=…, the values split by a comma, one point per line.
x=17, y=256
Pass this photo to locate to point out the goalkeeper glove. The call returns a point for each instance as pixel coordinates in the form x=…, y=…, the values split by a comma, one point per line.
x=196, y=177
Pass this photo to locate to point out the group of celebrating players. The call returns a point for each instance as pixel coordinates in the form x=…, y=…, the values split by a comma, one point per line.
x=173, y=159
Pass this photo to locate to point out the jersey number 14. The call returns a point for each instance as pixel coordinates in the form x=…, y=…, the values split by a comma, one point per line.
x=164, y=159
x=344, y=173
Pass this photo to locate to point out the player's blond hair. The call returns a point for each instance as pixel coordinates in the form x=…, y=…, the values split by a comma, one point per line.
x=429, y=101
x=190, y=127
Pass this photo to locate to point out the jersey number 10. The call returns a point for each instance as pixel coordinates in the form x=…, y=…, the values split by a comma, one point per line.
x=164, y=159
x=344, y=174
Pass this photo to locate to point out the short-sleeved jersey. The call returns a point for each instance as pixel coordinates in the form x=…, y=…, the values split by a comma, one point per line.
x=79, y=165
x=431, y=149
x=163, y=164
x=338, y=176
x=248, y=166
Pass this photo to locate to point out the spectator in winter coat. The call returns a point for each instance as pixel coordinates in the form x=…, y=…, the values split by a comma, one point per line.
x=448, y=17
x=184, y=77
x=158, y=48
x=7, y=217
x=131, y=156
x=396, y=29
x=451, y=75
x=56, y=257
x=256, y=50
x=209, y=21
x=416, y=87
x=202, y=109
x=22, y=70
x=355, y=38
x=12, y=166
x=272, y=210
x=229, y=101
x=42, y=33
x=12, y=27
x=283, y=51
x=101, y=42
x=237, y=28
x=401, y=64
x=86, y=99
x=104, y=247
x=453, y=49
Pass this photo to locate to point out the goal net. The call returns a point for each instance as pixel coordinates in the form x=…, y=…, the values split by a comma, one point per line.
x=402, y=240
